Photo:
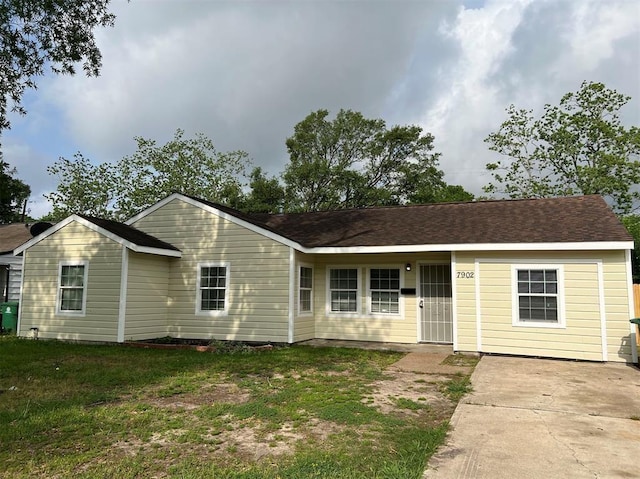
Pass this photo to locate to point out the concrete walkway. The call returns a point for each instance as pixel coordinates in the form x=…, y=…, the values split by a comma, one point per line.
x=537, y=418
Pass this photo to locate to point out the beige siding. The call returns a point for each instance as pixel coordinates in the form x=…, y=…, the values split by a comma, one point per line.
x=402, y=328
x=304, y=324
x=580, y=339
x=147, y=296
x=259, y=275
x=40, y=286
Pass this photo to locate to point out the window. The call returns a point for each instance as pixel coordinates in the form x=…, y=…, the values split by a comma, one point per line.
x=72, y=282
x=343, y=290
x=384, y=286
x=213, y=287
x=306, y=289
x=538, y=296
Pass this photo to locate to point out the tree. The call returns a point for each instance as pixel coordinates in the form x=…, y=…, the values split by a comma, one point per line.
x=37, y=33
x=13, y=195
x=577, y=147
x=632, y=223
x=266, y=195
x=119, y=191
x=353, y=161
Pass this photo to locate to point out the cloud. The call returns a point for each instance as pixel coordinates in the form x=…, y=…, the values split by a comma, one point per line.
x=244, y=73
x=529, y=54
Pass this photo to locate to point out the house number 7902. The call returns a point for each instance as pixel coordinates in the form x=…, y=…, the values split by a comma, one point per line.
x=464, y=274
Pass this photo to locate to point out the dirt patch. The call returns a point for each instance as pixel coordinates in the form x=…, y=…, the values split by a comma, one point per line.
x=435, y=363
x=227, y=393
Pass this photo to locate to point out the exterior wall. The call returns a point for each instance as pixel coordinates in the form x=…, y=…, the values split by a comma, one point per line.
x=40, y=286
x=304, y=323
x=484, y=303
x=366, y=327
x=15, y=275
x=147, y=296
x=259, y=275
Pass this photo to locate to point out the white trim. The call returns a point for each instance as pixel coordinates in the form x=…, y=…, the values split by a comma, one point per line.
x=299, y=311
x=419, y=298
x=344, y=314
x=632, y=310
x=595, y=245
x=603, y=312
x=100, y=230
x=369, y=312
x=454, y=301
x=476, y=275
x=422, y=248
x=85, y=287
x=515, y=313
x=292, y=287
x=227, y=282
x=20, y=296
x=124, y=281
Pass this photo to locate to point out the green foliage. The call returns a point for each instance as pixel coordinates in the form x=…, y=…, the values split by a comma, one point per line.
x=353, y=161
x=190, y=166
x=266, y=195
x=13, y=195
x=577, y=147
x=35, y=33
x=632, y=223
x=456, y=387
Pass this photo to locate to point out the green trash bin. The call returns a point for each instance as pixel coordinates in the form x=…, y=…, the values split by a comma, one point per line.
x=9, y=312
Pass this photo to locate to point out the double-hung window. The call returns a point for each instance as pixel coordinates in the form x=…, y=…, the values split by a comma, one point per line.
x=384, y=288
x=213, y=288
x=343, y=290
x=72, y=283
x=538, y=295
x=306, y=290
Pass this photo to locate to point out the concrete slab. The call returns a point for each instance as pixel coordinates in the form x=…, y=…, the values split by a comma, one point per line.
x=379, y=346
x=428, y=363
x=536, y=418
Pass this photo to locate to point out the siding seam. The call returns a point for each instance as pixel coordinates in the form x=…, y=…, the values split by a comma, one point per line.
x=603, y=312
x=478, y=306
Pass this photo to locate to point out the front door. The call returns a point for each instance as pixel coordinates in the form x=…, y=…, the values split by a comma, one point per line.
x=435, y=303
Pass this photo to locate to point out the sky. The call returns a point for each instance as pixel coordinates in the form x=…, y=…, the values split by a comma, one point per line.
x=244, y=73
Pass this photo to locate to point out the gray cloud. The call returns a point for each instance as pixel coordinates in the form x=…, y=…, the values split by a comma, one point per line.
x=244, y=73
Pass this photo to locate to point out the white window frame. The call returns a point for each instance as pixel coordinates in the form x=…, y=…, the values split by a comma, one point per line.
x=341, y=314
x=83, y=311
x=300, y=311
x=213, y=312
x=559, y=268
x=370, y=311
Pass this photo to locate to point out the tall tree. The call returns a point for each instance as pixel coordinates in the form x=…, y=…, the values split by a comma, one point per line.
x=39, y=33
x=266, y=195
x=190, y=166
x=353, y=161
x=13, y=195
x=577, y=147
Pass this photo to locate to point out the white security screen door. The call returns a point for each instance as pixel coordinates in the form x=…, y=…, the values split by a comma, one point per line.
x=435, y=303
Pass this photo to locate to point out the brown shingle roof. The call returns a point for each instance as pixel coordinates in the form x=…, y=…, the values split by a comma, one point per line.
x=551, y=220
x=12, y=236
x=130, y=233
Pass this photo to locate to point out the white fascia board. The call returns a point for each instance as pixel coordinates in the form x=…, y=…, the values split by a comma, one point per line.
x=156, y=206
x=99, y=230
x=596, y=245
x=48, y=232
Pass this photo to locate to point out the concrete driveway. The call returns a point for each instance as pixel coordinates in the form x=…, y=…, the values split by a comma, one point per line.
x=539, y=418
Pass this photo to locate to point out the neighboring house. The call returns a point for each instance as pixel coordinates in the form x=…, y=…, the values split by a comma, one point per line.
x=546, y=277
x=11, y=236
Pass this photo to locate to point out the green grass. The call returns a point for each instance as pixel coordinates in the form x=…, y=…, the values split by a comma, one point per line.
x=88, y=411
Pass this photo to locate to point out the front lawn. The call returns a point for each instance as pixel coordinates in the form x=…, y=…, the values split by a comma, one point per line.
x=86, y=411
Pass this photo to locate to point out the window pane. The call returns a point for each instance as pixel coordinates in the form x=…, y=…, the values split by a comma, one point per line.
x=343, y=301
x=306, y=277
x=72, y=276
x=305, y=300
x=536, y=275
x=71, y=299
x=213, y=282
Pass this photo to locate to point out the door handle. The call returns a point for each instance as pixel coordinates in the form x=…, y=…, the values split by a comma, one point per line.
x=421, y=304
